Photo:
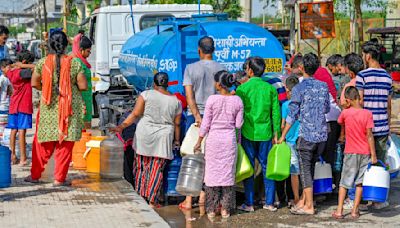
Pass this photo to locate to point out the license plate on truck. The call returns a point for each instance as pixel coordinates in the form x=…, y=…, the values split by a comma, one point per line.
x=273, y=65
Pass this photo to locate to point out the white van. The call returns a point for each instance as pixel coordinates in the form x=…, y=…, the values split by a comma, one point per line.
x=111, y=26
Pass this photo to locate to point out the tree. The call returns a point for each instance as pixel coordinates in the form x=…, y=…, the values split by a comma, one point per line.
x=14, y=30
x=231, y=7
x=356, y=15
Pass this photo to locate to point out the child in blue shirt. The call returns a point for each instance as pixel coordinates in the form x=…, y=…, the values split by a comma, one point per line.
x=291, y=139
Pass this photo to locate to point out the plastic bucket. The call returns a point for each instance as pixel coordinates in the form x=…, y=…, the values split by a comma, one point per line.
x=322, y=178
x=78, y=162
x=5, y=167
x=92, y=154
x=376, y=183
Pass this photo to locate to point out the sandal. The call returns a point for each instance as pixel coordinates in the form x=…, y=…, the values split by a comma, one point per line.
x=335, y=215
x=246, y=208
x=155, y=206
x=211, y=215
x=62, y=184
x=30, y=180
x=23, y=163
x=270, y=208
x=301, y=211
x=183, y=207
x=294, y=208
x=225, y=214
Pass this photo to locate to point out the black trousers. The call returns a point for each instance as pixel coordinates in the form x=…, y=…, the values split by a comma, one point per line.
x=308, y=155
x=329, y=154
x=284, y=190
x=129, y=159
x=333, y=136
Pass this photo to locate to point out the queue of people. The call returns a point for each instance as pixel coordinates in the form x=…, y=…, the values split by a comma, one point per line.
x=314, y=115
x=305, y=108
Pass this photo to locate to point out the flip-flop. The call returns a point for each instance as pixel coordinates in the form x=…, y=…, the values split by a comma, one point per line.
x=156, y=206
x=335, y=215
x=225, y=216
x=301, y=211
x=211, y=215
x=294, y=208
x=246, y=208
x=182, y=206
x=62, y=184
x=23, y=164
x=30, y=180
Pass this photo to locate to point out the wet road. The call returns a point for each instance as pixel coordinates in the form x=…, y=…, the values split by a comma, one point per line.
x=388, y=217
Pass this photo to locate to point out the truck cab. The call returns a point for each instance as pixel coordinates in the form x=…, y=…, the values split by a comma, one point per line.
x=111, y=26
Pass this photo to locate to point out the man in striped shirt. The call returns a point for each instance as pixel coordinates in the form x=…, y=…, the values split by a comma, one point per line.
x=375, y=86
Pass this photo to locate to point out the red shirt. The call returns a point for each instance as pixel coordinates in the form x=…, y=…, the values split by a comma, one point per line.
x=356, y=123
x=21, y=99
x=323, y=75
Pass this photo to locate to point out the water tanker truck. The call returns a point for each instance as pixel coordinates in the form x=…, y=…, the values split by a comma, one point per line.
x=172, y=44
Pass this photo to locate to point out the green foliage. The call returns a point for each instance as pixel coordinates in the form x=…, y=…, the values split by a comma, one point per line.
x=268, y=19
x=231, y=7
x=15, y=30
x=94, y=5
x=366, y=15
x=342, y=7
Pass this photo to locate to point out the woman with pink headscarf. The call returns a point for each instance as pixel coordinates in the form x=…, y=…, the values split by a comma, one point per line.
x=81, y=50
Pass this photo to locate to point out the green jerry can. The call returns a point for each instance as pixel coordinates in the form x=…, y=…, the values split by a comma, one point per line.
x=278, y=167
x=244, y=169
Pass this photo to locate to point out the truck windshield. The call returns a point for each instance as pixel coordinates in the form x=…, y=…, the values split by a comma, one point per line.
x=152, y=20
x=92, y=31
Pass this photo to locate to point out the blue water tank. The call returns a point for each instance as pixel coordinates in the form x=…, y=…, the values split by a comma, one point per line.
x=171, y=174
x=5, y=167
x=171, y=45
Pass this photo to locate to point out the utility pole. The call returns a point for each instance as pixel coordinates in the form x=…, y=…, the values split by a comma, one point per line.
x=264, y=9
x=45, y=15
x=65, y=15
x=40, y=20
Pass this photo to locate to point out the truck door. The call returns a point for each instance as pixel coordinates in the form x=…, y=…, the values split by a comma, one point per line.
x=92, y=36
x=117, y=36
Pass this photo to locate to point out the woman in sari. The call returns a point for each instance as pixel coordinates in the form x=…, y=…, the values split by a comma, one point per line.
x=81, y=49
x=61, y=80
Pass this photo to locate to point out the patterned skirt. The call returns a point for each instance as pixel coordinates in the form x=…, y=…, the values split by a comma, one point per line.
x=149, y=176
x=224, y=196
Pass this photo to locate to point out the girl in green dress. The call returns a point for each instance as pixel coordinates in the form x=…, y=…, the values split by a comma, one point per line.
x=81, y=50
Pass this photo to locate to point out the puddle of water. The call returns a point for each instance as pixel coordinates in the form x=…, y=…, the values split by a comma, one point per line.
x=190, y=218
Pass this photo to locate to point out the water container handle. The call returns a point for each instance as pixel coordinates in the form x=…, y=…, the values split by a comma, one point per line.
x=120, y=137
x=86, y=152
x=321, y=160
x=380, y=162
